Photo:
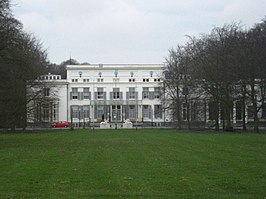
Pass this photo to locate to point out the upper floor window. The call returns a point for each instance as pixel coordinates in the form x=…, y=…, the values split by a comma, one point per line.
x=116, y=93
x=100, y=94
x=145, y=93
x=145, y=80
x=74, y=80
x=86, y=93
x=131, y=93
x=157, y=92
x=74, y=93
x=86, y=80
x=46, y=92
x=132, y=80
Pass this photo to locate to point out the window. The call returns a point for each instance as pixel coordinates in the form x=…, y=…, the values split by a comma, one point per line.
x=116, y=93
x=86, y=80
x=145, y=80
x=86, y=111
x=194, y=111
x=158, y=111
x=46, y=92
x=145, y=93
x=132, y=80
x=46, y=112
x=100, y=94
x=74, y=80
x=250, y=112
x=212, y=110
x=100, y=111
x=132, y=111
x=74, y=93
x=131, y=93
x=157, y=92
x=86, y=93
x=185, y=106
x=238, y=110
x=74, y=111
x=100, y=80
x=55, y=112
x=146, y=111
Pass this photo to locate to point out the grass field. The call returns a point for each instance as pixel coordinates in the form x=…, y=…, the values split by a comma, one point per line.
x=150, y=163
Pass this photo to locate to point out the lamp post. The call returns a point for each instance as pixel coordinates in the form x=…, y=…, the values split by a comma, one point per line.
x=115, y=73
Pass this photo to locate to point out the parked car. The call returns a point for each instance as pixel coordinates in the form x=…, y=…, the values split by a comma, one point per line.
x=60, y=124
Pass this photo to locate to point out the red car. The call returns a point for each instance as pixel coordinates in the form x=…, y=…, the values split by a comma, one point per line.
x=60, y=124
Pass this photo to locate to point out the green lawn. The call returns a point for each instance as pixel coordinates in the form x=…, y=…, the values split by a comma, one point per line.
x=149, y=163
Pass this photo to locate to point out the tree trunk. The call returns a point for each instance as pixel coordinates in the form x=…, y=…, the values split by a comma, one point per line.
x=255, y=111
x=244, y=108
x=217, y=117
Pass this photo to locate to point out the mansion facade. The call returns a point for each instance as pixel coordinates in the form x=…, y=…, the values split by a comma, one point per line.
x=120, y=93
x=112, y=93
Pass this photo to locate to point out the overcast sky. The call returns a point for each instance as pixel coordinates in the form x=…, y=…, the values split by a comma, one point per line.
x=127, y=31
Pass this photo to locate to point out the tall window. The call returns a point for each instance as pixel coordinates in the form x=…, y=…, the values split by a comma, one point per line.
x=74, y=93
x=194, y=111
x=100, y=111
x=158, y=111
x=132, y=111
x=46, y=92
x=185, y=111
x=145, y=93
x=100, y=94
x=75, y=111
x=250, y=112
x=86, y=93
x=116, y=93
x=157, y=92
x=146, y=111
x=55, y=112
x=46, y=112
x=212, y=110
x=131, y=93
x=86, y=111
x=238, y=110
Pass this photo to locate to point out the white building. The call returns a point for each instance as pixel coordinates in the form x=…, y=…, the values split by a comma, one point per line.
x=114, y=93
x=117, y=94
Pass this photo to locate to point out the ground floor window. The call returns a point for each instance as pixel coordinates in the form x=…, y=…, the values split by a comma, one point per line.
x=158, y=111
x=239, y=110
x=146, y=111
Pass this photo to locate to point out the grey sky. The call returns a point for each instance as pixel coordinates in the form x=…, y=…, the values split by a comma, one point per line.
x=127, y=31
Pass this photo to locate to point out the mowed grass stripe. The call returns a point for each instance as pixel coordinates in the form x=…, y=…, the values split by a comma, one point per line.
x=147, y=163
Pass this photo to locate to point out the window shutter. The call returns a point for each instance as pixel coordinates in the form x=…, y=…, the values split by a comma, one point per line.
x=127, y=95
x=104, y=95
x=95, y=95
x=121, y=95
x=111, y=96
x=71, y=96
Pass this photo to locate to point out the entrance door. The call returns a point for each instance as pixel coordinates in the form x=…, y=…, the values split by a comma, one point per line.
x=116, y=113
